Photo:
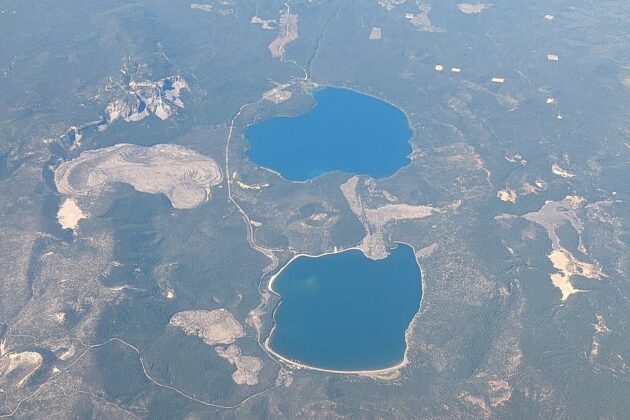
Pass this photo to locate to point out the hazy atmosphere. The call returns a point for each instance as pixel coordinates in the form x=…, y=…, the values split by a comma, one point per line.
x=366, y=209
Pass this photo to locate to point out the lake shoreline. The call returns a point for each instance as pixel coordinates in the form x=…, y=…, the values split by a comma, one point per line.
x=344, y=131
x=389, y=372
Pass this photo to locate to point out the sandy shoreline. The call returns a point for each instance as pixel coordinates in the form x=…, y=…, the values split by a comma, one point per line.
x=383, y=373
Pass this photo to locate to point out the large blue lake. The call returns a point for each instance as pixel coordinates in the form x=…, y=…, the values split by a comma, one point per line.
x=346, y=312
x=344, y=131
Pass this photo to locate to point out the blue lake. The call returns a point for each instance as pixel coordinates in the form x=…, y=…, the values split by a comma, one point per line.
x=344, y=131
x=346, y=312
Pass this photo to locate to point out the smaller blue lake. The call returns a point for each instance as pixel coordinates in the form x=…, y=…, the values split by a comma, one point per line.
x=344, y=131
x=345, y=311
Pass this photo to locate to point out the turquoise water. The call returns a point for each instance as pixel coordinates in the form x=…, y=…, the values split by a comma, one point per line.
x=346, y=312
x=345, y=131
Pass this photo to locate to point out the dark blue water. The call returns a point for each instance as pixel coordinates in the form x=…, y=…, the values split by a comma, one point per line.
x=346, y=312
x=345, y=131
